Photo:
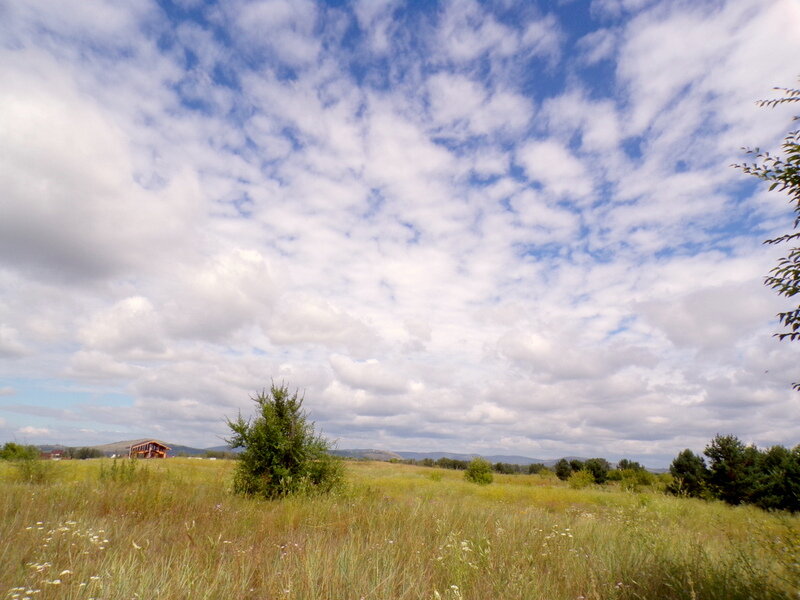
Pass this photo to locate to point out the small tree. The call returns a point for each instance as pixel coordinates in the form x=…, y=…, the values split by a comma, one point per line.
x=563, y=469
x=282, y=453
x=689, y=475
x=479, y=471
x=599, y=468
x=783, y=173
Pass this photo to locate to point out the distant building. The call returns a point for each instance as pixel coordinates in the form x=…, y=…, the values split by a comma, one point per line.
x=147, y=449
x=54, y=454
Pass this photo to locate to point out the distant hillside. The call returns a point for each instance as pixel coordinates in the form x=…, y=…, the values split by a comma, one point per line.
x=224, y=448
x=384, y=455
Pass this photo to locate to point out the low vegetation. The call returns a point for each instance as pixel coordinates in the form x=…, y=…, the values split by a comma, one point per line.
x=479, y=471
x=172, y=529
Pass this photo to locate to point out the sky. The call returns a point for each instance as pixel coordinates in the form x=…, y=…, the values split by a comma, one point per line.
x=480, y=227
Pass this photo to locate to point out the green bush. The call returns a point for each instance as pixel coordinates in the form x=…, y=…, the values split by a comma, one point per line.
x=282, y=454
x=635, y=479
x=14, y=451
x=479, y=471
x=580, y=479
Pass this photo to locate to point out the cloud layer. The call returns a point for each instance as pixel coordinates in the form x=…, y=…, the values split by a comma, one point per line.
x=461, y=227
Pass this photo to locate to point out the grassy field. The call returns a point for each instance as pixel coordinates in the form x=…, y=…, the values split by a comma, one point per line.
x=170, y=529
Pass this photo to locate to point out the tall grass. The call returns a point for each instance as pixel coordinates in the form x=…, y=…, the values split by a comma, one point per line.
x=395, y=531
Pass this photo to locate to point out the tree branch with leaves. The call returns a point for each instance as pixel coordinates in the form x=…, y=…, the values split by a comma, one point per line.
x=783, y=174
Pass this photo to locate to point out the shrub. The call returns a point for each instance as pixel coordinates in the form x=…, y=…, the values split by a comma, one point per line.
x=580, y=479
x=14, y=451
x=634, y=479
x=282, y=454
x=479, y=471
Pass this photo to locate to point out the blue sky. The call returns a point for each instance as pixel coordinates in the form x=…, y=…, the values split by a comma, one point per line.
x=476, y=227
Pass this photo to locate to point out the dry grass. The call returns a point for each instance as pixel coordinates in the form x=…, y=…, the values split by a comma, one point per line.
x=172, y=530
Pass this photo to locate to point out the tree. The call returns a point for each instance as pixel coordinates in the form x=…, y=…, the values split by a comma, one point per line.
x=599, y=468
x=479, y=471
x=783, y=173
x=631, y=465
x=282, y=453
x=732, y=469
x=84, y=452
x=563, y=469
x=778, y=479
x=689, y=475
x=576, y=465
x=536, y=468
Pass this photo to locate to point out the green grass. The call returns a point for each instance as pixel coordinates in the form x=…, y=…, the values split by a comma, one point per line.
x=172, y=530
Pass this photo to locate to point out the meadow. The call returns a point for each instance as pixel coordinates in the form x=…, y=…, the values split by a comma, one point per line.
x=171, y=529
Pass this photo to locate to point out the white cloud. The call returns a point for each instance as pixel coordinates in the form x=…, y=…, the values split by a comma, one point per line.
x=34, y=431
x=374, y=17
x=464, y=107
x=10, y=345
x=284, y=27
x=367, y=375
x=598, y=45
x=556, y=168
x=303, y=319
x=132, y=327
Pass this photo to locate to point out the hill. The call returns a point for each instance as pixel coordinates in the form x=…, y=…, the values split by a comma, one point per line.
x=384, y=455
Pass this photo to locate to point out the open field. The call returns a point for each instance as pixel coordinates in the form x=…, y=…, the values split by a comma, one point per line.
x=170, y=529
